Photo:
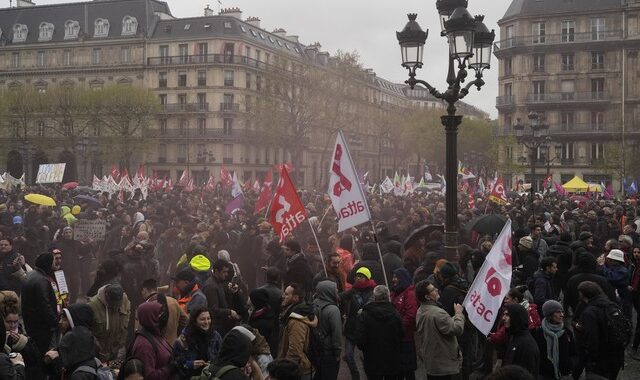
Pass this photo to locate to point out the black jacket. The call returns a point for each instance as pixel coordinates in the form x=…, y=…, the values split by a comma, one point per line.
x=571, y=294
x=591, y=333
x=39, y=305
x=568, y=353
x=522, y=349
x=220, y=302
x=298, y=272
x=378, y=335
x=353, y=300
x=77, y=348
x=8, y=370
x=542, y=289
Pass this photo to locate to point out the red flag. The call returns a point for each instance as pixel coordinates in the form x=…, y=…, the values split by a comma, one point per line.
x=286, y=165
x=265, y=193
x=140, y=171
x=125, y=173
x=498, y=194
x=287, y=211
x=256, y=186
x=211, y=183
x=184, y=178
x=247, y=184
x=189, y=187
x=225, y=177
x=115, y=173
x=169, y=186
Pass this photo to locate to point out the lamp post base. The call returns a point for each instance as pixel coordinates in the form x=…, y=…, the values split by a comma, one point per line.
x=451, y=246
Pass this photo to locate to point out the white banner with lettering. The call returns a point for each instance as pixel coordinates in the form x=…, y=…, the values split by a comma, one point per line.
x=345, y=192
x=492, y=283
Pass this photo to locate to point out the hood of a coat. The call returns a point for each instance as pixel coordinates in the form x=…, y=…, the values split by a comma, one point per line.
x=76, y=346
x=149, y=316
x=369, y=252
x=327, y=290
x=380, y=310
x=79, y=314
x=519, y=318
x=404, y=280
x=235, y=350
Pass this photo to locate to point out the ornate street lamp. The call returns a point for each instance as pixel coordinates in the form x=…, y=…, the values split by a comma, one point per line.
x=470, y=44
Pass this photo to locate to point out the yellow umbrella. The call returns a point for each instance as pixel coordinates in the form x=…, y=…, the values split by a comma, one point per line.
x=40, y=199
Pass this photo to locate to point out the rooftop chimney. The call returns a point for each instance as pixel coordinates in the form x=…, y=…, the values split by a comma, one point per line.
x=253, y=21
x=233, y=12
x=208, y=11
x=323, y=58
x=24, y=3
x=312, y=51
x=280, y=32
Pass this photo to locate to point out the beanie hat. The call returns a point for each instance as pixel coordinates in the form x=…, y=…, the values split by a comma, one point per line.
x=185, y=275
x=364, y=271
x=44, y=261
x=550, y=307
x=526, y=241
x=200, y=263
x=448, y=270
x=17, y=219
x=223, y=255
x=584, y=235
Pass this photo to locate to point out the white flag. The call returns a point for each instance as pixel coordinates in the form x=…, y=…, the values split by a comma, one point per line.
x=236, y=188
x=387, y=185
x=345, y=192
x=492, y=283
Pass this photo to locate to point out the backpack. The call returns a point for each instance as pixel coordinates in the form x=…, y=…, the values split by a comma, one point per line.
x=618, y=326
x=145, y=334
x=101, y=373
x=317, y=337
x=221, y=372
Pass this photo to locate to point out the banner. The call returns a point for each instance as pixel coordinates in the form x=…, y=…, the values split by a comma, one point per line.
x=498, y=194
x=484, y=299
x=50, y=173
x=287, y=211
x=346, y=195
x=85, y=229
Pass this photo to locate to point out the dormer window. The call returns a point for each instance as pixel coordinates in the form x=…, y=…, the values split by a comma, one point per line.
x=46, y=31
x=129, y=26
x=20, y=32
x=101, y=28
x=71, y=29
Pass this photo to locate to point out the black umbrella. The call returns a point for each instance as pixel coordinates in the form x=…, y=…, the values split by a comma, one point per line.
x=487, y=224
x=88, y=199
x=422, y=231
x=512, y=194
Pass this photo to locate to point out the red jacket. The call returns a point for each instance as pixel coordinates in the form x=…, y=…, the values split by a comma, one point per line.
x=500, y=336
x=407, y=306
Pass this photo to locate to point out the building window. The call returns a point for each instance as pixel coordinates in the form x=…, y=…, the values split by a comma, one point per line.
x=15, y=60
x=248, y=80
x=101, y=28
x=567, y=151
x=41, y=128
x=182, y=153
x=129, y=26
x=71, y=29
x=67, y=57
x=597, y=88
x=227, y=158
x=97, y=56
x=258, y=82
x=567, y=61
x=202, y=101
x=568, y=30
x=538, y=32
x=163, y=126
x=125, y=54
x=227, y=126
x=508, y=70
x=228, y=78
x=182, y=99
x=182, y=127
x=508, y=36
x=182, y=79
x=538, y=90
x=248, y=103
x=597, y=151
x=538, y=63
x=567, y=89
x=508, y=91
x=163, y=99
x=164, y=54
x=162, y=79
x=183, y=53
x=597, y=28
x=42, y=58
x=202, y=126
x=202, y=78
x=46, y=31
x=566, y=121
x=202, y=50
x=247, y=54
x=162, y=153
x=20, y=32
x=597, y=121
x=597, y=60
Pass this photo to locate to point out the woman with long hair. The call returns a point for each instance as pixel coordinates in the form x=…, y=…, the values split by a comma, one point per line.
x=197, y=346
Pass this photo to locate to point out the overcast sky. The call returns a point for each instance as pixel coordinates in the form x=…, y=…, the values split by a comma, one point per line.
x=365, y=26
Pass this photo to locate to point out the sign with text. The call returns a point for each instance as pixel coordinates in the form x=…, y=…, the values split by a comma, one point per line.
x=90, y=229
x=50, y=173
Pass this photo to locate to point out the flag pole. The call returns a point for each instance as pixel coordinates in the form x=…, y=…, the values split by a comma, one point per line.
x=323, y=216
x=324, y=267
x=384, y=271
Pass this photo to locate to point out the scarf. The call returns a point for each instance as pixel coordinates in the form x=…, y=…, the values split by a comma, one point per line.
x=552, y=333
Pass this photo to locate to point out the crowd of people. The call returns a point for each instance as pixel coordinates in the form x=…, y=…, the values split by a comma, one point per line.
x=178, y=289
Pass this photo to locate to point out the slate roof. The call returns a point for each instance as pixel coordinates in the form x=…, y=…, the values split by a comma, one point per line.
x=526, y=8
x=85, y=13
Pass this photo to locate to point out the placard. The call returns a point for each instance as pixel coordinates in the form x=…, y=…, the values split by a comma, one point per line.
x=50, y=173
x=90, y=229
x=61, y=281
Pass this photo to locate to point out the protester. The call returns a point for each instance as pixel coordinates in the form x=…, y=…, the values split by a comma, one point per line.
x=521, y=349
x=298, y=269
x=403, y=298
x=296, y=321
x=111, y=310
x=149, y=345
x=556, y=343
x=187, y=291
x=231, y=360
x=10, y=367
x=197, y=346
x=176, y=319
x=543, y=289
x=330, y=328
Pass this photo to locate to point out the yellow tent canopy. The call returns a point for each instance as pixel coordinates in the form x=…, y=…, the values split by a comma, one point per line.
x=576, y=185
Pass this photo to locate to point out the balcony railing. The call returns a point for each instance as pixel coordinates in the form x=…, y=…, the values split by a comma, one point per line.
x=185, y=107
x=554, y=39
x=578, y=129
x=568, y=97
x=506, y=100
x=229, y=107
x=205, y=59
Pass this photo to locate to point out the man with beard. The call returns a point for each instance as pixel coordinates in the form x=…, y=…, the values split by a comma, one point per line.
x=223, y=298
x=296, y=322
x=11, y=271
x=333, y=273
x=77, y=262
x=298, y=269
x=39, y=303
